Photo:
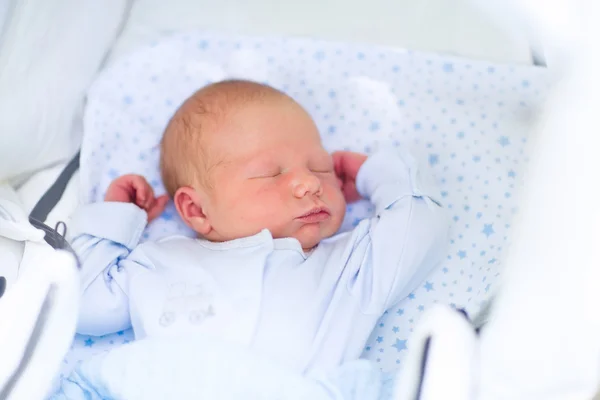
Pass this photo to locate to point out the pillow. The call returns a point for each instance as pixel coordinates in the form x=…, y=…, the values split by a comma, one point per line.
x=468, y=120
x=15, y=230
x=50, y=52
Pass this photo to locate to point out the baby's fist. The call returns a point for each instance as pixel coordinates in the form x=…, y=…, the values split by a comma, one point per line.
x=136, y=189
x=347, y=164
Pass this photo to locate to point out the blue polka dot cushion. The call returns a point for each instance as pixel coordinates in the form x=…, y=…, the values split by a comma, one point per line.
x=467, y=119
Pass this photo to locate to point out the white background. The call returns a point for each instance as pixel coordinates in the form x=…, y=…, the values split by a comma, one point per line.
x=459, y=27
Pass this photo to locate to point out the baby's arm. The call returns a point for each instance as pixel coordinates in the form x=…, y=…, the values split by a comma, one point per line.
x=406, y=239
x=104, y=236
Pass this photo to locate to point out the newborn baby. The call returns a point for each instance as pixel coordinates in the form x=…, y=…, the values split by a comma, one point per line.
x=246, y=169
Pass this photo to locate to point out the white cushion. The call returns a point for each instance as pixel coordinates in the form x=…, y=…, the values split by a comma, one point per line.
x=50, y=51
x=15, y=229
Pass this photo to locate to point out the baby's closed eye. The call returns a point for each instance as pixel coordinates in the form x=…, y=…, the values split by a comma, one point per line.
x=322, y=165
x=322, y=171
x=266, y=174
x=260, y=170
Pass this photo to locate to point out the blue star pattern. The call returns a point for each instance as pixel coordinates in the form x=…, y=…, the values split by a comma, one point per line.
x=84, y=347
x=457, y=116
x=504, y=141
x=488, y=230
x=433, y=159
x=400, y=345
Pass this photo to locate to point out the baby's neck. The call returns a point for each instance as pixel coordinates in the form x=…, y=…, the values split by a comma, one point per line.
x=306, y=251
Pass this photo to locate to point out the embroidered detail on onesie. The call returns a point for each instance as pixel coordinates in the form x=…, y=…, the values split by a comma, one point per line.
x=198, y=316
x=166, y=319
x=191, y=300
x=200, y=303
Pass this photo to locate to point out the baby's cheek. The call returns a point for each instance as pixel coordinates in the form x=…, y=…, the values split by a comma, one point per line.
x=332, y=181
x=337, y=201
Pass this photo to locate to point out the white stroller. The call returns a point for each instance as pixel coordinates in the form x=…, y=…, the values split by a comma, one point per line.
x=522, y=346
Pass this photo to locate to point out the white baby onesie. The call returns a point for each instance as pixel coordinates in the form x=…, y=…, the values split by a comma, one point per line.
x=305, y=311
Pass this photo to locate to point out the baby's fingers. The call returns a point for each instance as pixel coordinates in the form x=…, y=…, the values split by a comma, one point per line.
x=144, y=195
x=350, y=192
x=337, y=163
x=158, y=206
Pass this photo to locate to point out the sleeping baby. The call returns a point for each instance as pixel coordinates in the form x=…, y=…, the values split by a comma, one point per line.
x=246, y=170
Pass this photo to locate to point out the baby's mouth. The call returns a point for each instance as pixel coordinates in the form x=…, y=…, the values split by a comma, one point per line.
x=317, y=214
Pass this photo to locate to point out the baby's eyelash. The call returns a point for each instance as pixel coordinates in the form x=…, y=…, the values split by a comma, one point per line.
x=322, y=171
x=272, y=173
x=267, y=175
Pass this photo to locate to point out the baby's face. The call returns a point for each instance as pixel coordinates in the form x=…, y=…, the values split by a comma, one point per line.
x=270, y=170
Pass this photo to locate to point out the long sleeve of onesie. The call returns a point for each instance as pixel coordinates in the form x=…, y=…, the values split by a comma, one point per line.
x=389, y=255
x=104, y=236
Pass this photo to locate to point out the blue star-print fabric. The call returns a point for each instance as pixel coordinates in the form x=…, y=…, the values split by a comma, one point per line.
x=469, y=120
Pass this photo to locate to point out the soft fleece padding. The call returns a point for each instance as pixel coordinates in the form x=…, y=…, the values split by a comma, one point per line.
x=36, y=186
x=50, y=51
x=467, y=120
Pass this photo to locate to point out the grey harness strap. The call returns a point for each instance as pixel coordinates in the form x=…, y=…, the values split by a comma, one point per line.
x=55, y=237
x=53, y=195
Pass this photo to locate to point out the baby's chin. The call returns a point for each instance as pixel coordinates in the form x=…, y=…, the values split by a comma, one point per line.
x=309, y=236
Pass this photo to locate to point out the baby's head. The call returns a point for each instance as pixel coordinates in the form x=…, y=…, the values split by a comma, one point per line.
x=238, y=157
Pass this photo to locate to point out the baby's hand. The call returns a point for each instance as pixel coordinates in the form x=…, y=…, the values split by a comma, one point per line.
x=346, y=166
x=136, y=189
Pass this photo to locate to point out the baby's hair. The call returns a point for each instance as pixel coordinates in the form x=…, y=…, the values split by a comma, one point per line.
x=184, y=160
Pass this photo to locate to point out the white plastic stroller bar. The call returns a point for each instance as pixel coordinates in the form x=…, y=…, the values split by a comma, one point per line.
x=38, y=316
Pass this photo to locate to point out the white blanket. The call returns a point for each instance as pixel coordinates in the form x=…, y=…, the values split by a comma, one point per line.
x=205, y=368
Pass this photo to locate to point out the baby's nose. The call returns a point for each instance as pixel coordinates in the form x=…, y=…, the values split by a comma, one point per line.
x=306, y=183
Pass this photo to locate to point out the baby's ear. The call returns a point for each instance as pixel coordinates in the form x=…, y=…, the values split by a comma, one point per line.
x=189, y=206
